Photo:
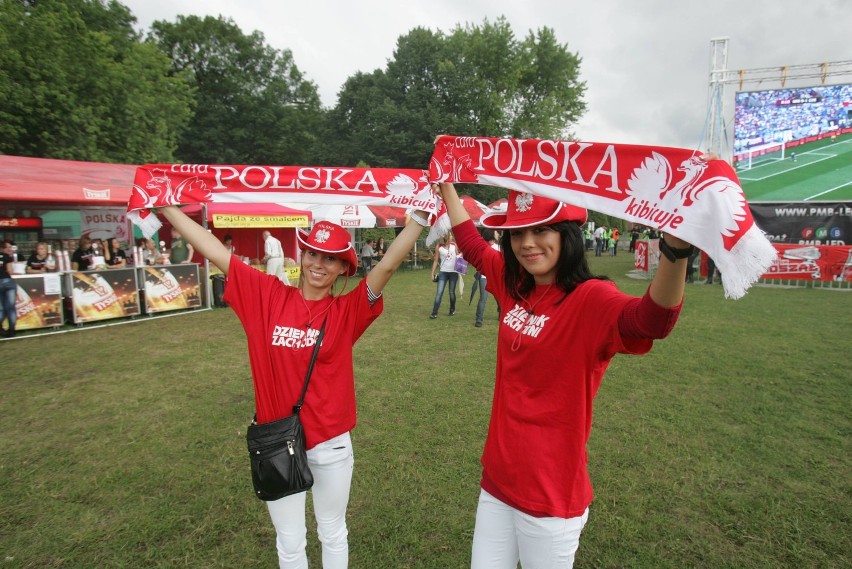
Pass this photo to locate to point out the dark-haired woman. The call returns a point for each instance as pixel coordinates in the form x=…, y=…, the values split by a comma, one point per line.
x=114, y=255
x=560, y=326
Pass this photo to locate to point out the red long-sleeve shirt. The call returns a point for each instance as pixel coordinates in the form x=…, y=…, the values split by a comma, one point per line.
x=549, y=367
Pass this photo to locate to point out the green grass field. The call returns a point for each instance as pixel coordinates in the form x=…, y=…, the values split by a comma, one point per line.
x=822, y=171
x=727, y=446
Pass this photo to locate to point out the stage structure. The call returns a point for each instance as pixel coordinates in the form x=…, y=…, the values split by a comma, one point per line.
x=717, y=137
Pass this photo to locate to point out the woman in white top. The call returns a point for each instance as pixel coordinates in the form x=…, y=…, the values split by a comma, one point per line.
x=444, y=271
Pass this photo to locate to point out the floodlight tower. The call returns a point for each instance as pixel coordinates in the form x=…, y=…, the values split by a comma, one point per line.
x=716, y=99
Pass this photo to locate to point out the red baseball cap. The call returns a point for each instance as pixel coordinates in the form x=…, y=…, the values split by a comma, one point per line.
x=527, y=210
x=330, y=238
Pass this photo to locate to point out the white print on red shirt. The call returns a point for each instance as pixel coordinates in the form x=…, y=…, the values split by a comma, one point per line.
x=294, y=337
x=519, y=318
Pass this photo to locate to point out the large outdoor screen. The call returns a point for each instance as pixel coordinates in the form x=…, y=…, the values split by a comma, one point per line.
x=786, y=115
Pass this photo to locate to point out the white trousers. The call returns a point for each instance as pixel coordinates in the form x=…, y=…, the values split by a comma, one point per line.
x=331, y=463
x=504, y=536
x=275, y=266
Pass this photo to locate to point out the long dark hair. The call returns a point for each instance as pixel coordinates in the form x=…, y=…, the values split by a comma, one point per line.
x=572, y=268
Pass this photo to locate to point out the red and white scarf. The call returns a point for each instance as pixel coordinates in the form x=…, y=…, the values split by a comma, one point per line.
x=159, y=185
x=669, y=189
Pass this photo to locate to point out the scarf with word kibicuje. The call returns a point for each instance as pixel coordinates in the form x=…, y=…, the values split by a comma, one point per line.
x=159, y=185
x=698, y=201
x=669, y=189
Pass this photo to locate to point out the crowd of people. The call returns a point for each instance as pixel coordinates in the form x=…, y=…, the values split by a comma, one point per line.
x=92, y=254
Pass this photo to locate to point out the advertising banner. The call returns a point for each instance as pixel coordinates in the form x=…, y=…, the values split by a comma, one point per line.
x=640, y=255
x=171, y=287
x=811, y=262
x=39, y=301
x=101, y=295
x=104, y=223
x=259, y=221
x=293, y=273
x=805, y=223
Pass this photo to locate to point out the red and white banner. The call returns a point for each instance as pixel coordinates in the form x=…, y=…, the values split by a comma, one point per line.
x=669, y=189
x=641, y=256
x=828, y=263
x=104, y=224
x=158, y=185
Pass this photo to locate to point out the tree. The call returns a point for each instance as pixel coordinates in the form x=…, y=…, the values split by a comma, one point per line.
x=253, y=104
x=477, y=80
x=78, y=84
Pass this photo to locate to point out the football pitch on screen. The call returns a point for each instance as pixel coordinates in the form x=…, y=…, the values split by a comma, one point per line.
x=817, y=171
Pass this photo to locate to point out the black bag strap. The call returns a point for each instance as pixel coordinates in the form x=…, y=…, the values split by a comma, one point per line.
x=298, y=406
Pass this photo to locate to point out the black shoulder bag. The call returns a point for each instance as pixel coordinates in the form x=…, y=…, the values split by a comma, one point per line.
x=279, y=461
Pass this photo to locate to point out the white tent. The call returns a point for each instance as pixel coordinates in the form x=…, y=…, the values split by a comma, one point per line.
x=348, y=216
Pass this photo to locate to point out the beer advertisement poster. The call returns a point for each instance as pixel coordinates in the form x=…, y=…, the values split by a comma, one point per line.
x=101, y=295
x=38, y=302
x=171, y=287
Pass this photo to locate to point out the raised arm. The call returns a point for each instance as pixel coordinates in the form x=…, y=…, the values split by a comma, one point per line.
x=200, y=239
x=458, y=214
x=380, y=274
x=670, y=281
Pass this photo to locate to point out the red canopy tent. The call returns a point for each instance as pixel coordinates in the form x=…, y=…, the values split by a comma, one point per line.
x=32, y=187
x=60, y=183
x=387, y=216
x=500, y=205
x=475, y=208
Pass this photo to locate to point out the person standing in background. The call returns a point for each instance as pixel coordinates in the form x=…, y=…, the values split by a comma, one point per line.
x=711, y=270
x=151, y=255
x=367, y=253
x=8, y=290
x=273, y=256
x=444, y=271
x=690, y=265
x=490, y=237
x=37, y=263
x=114, y=255
x=228, y=242
x=634, y=236
x=180, y=250
x=599, y=238
x=381, y=248
x=81, y=259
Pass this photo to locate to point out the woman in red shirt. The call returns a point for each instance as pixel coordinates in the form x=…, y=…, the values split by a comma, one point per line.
x=282, y=323
x=560, y=326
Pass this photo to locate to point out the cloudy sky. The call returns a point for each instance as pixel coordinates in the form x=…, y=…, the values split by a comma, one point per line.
x=646, y=63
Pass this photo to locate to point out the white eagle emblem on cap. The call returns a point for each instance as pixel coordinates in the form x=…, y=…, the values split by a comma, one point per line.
x=323, y=235
x=523, y=202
